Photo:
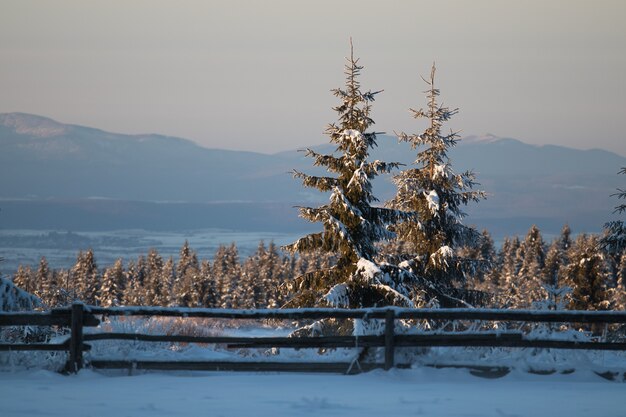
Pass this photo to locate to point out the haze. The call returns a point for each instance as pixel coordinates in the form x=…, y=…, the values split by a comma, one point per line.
x=256, y=75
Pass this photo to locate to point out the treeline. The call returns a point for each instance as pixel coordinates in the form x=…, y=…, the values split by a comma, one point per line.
x=572, y=273
x=569, y=273
x=225, y=282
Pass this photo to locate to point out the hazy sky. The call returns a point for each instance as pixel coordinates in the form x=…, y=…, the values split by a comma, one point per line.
x=256, y=75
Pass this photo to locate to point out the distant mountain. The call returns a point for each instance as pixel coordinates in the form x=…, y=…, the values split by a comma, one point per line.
x=44, y=159
x=95, y=179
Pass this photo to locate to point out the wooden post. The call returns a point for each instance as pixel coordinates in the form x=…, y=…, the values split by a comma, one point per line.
x=75, y=362
x=389, y=339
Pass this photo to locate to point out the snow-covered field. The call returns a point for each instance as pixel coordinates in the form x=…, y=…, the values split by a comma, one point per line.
x=414, y=392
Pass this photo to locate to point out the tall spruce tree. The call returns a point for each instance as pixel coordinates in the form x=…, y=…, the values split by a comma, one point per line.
x=436, y=194
x=351, y=225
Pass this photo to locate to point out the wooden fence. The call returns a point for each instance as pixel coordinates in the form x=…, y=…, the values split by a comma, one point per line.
x=78, y=316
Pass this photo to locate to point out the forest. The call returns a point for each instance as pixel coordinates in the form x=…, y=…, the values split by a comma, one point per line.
x=567, y=273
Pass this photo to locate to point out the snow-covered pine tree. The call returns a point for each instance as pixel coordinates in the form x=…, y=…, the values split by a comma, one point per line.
x=273, y=276
x=134, y=292
x=24, y=279
x=530, y=275
x=186, y=288
x=485, y=252
x=251, y=289
x=351, y=225
x=614, y=240
x=227, y=274
x=168, y=277
x=155, y=292
x=619, y=298
x=86, y=277
x=588, y=276
x=44, y=287
x=110, y=294
x=208, y=292
x=436, y=194
x=556, y=259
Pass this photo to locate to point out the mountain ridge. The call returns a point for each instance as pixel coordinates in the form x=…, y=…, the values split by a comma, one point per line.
x=44, y=159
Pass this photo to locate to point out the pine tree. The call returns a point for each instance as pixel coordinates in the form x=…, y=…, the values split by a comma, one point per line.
x=110, y=294
x=227, y=274
x=134, y=293
x=530, y=274
x=168, y=278
x=484, y=253
x=208, y=291
x=24, y=279
x=557, y=259
x=251, y=290
x=186, y=289
x=86, y=277
x=619, y=299
x=273, y=276
x=153, y=284
x=351, y=225
x=614, y=240
x=44, y=287
x=436, y=194
x=588, y=274
x=510, y=294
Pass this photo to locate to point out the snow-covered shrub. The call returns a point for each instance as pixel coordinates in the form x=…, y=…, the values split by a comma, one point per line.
x=13, y=299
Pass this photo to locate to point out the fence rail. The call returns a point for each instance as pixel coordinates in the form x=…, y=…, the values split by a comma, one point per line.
x=79, y=316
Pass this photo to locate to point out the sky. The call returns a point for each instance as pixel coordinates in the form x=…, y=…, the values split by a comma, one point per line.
x=256, y=75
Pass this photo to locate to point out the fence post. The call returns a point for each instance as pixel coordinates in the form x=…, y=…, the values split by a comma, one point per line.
x=75, y=362
x=389, y=339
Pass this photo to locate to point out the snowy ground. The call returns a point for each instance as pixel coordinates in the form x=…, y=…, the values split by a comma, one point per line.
x=415, y=392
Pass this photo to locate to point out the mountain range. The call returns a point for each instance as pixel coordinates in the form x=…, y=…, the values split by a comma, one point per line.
x=60, y=176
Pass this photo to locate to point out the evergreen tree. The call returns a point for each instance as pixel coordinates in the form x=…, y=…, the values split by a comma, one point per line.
x=134, y=293
x=186, y=286
x=619, y=299
x=44, y=287
x=227, y=275
x=208, y=290
x=351, y=225
x=251, y=290
x=484, y=252
x=272, y=276
x=510, y=294
x=86, y=277
x=436, y=194
x=168, y=278
x=588, y=274
x=24, y=279
x=530, y=275
x=614, y=240
x=557, y=259
x=110, y=294
x=155, y=292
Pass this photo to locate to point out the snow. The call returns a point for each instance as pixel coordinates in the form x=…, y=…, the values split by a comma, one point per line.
x=441, y=171
x=368, y=268
x=417, y=392
x=337, y=296
x=433, y=201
